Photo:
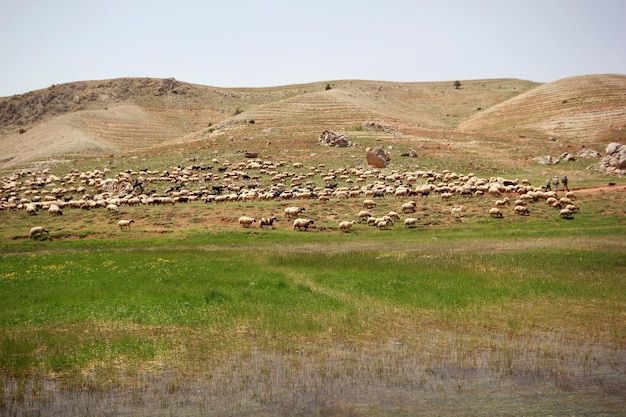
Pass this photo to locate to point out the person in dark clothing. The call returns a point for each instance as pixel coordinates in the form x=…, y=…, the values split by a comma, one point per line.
x=564, y=181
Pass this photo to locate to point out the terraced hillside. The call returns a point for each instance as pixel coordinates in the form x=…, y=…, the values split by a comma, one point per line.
x=125, y=115
x=590, y=108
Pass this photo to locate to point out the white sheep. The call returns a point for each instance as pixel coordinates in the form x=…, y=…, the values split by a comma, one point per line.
x=267, y=222
x=55, y=210
x=495, y=212
x=551, y=200
x=573, y=208
x=346, y=226
x=456, y=211
x=302, y=224
x=246, y=221
x=411, y=221
x=383, y=222
x=446, y=196
x=293, y=211
x=113, y=208
x=125, y=224
x=393, y=215
x=565, y=201
x=31, y=209
x=37, y=231
x=566, y=213
x=369, y=204
x=521, y=210
x=502, y=202
x=409, y=207
x=364, y=215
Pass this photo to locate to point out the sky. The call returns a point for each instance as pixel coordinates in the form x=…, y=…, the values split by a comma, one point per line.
x=246, y=43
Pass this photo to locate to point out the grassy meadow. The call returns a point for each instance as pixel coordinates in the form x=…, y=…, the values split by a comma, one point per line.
x=213, y=319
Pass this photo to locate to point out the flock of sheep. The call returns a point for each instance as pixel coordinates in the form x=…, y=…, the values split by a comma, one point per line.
x=257, y=180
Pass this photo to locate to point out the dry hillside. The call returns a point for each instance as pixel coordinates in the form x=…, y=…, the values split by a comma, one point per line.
x=124, y=115
x=591, y=107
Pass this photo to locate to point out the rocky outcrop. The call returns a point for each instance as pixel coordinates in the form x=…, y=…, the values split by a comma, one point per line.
x=380, y=128
x=588, y=153
x=547, y=160
x=330, y=138
x=615, y=160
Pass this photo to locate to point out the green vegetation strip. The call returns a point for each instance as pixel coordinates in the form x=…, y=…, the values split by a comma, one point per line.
x=72, y=311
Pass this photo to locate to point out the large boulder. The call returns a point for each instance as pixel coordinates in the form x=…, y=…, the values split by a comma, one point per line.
x=377, y=157
x=547, y=160
x=588, y=153
x=330, y=138
x=615, y=159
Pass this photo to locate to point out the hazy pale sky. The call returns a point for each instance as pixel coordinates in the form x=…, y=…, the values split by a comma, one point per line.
x=246, y=43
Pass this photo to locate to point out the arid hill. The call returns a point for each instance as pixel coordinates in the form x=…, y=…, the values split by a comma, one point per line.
x=125, y=115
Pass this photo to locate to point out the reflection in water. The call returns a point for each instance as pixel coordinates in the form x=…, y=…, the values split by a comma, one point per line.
x=441, y=374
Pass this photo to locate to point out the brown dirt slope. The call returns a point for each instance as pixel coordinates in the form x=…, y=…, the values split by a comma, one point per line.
x=122, y=115
x=590, y=107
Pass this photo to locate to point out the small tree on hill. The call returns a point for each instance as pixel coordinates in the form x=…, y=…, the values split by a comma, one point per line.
x=457, y=84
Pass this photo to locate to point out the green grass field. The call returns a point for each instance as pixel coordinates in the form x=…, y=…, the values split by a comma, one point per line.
x=542, y=301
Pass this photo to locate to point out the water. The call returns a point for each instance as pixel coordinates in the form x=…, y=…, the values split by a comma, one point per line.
x=443, y=375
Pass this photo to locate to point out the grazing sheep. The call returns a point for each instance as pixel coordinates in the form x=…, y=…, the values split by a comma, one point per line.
x=410, y=221
x=369, y=204
x=409, y=207
x=521, y=210
x=456, y=211
x=364, y=215
x=113, y=208
x=551, y=200
x=125, y=224
x=55, y=210
x=267, y=222
x=446, y=196
x=502, y=202
x=302, y=224
x=31, y=209
x=383, y=222
x=566, y=213
x=37, y=231
x=495, y=212
x=573, y=208
x=246, y=221
x=393, y=215
x=346, y=226
x=293, y=211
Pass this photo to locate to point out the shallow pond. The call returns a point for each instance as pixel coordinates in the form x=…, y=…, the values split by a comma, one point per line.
x=544, y=374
